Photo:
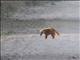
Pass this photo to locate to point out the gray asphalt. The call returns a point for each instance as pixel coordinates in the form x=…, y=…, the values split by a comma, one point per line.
x=35, y=47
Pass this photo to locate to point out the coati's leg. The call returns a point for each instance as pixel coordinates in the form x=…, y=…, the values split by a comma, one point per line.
x=53, y=35
x=46, y=36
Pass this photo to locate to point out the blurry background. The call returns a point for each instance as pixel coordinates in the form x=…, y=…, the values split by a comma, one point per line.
x=22, y=20
x=31, y=16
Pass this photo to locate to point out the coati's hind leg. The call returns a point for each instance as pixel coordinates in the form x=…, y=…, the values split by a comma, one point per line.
x=53, y=35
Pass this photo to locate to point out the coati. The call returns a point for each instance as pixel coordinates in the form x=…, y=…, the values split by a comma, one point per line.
x=49, y=31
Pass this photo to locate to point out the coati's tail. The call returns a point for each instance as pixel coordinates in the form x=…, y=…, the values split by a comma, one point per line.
x=56, y=31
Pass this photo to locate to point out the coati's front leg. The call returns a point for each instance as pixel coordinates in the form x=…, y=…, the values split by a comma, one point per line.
x=46, y=36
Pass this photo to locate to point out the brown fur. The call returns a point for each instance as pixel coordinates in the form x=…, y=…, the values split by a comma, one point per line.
x=49, y=31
